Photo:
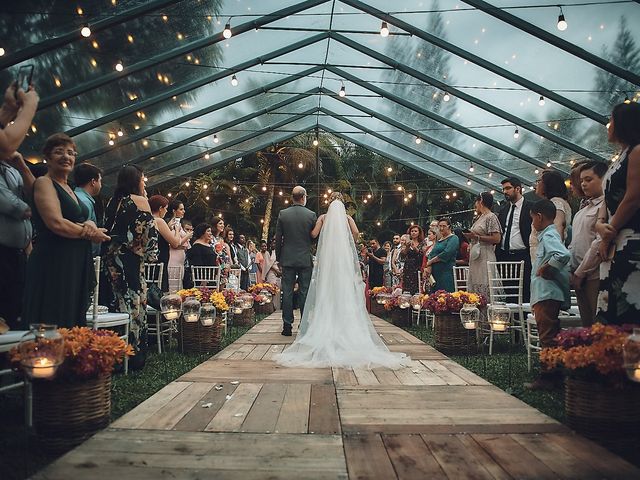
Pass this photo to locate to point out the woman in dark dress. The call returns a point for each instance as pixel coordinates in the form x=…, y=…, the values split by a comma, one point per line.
x=619, y=224
x=134, y=241
x=412, y=253
x=201, y=253
x=60, y=274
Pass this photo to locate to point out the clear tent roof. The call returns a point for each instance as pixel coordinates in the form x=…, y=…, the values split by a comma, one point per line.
x=462, y=77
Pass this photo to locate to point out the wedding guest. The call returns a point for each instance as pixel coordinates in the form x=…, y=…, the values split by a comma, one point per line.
x=244, y=260
x=187, y=280
x=60, y=274
x=432, y=238
x=201, y=254
x=462, y=257
x=484, y=236
x=396, y=262
x=412, y=254
x=134, y=242
x=220, y=247
x=229, y=236
x=16, y=187
x=177, y=253
x=376, y=257
x=585, y=262
x=260, y=262
x=88, y=181
x=619, y=225
x=16, y=113
x=443, y=257
x=387, y=264
x=272, y=272
x=549, y=282
x=551, y=186
x=254, y=257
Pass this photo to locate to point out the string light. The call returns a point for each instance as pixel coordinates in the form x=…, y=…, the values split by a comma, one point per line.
x=384, y=29
x=234, y=81
x=368, y=195
x=626, y=99
x=94, y=63
x=264, y=188
x=471, y=168
x=548, y=164
x=145, y=143
x=378, y=223
x=205, y=186
x=400, y=188
x=455, y=194
x=447, y=196
x=119, y=67
x=261, y=220
x=179, y=36
x=57, y=81
x=300, y=165
x=226, y=33
x=418, y=140
x=490, y=174
x=111, y=142
x=541, y=101
x=2, y=51
x=79, y=10
x=342, y=92
x=329, y=190
x=95, y=44
x=280, y=193
x=365, y=200
x=536, y=171
x=207, y=156
x=85, y=31
x=207, y=197
x=562, y=23
x=446, y=97
x=516, y=134
x=165, y=18
x=389, y=169
x=492, y=192
x=186, y=184
x=410, y=195
x=315, y=142
x=169, y=195
x=215, y=138
x=130, y=38
x=468, y=182
x=64, y=104
x=120, y=133
x=286, y=202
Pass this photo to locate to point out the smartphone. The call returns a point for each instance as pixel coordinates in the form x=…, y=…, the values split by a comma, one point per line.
x=25, y=76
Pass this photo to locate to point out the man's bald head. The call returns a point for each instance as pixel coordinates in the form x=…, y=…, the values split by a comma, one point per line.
x=299, y=195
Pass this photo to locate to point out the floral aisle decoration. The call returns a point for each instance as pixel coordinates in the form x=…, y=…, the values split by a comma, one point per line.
x=376, y=290
x=600, y=401
x=442, y=301
x=220, y=300
x=258, y=287
x=263, y=295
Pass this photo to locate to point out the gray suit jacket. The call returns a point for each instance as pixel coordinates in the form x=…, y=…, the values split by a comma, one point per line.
x=293, y=236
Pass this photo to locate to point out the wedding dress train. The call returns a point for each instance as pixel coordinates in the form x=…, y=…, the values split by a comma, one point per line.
x=335, y=329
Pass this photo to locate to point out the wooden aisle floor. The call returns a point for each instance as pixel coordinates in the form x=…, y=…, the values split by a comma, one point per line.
x=239, y=415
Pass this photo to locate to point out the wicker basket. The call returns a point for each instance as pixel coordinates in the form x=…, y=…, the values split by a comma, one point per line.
x=266, y=309
x=605, y=414
x=401, y=317
x=451, y=337
x=67, y=413
x=377, y=309
x=194, y=337
x=244, y=319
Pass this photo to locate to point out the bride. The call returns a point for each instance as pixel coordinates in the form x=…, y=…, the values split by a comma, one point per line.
x=335, y=330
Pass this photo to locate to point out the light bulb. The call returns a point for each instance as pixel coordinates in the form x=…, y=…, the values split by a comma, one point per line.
x=235, y=189
x=119, y=67
x=378, y=223
x=455, y=194
x=111, y=142
x=342, y=92
x=206, y=156
x=468, y=182
x=384, y=30
x=447, y=196
x=215, y=139
x=446, y=97
x=329, y=190
x=187, y=184
x=536, y=171
x=365, y=200
x=492, y=192
x=549, y=164
x=541, y=101
x=85, y=31
x=207, y=197
x=562, y=23
x=626, y=99
x=516, y=134
x=368, y=195
x=389, y=169
x=280, y=193
x=264, y=188
x=471, y=168
x=169, y=195
x=205, y=186
x=315, y=142
x=120, y=132
x=2, y=51
x=300, y=165
x=418, y=140
x=234, y=81
x=226, y=33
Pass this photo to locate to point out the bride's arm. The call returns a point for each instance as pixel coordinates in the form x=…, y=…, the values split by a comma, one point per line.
x=316, y=230
x=353, y=228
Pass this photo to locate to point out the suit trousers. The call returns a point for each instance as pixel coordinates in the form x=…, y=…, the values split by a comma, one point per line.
x=516, y=256
x=587, y=297
x=289, y=275
x=13, y=269
x=546, y=313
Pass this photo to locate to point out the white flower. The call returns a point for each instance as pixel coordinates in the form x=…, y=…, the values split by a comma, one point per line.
x=632, y=288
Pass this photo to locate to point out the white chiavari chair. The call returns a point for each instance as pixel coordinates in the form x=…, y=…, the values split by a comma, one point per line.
x=206, y=276
x=460, y=276
x=506, y=284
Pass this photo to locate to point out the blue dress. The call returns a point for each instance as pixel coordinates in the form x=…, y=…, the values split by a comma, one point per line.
x=442, y=271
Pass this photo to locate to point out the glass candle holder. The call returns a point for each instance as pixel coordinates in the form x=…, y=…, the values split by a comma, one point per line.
x=247, y=301
x=631, y=355
x=191, y=310
x=207, y=314
x=469, y=316
x=404, y=300
x=499, y=316
x=171, y=306
x=382, y=298
x=238, y=306
x=266, y=297
x=41, y=351
x=416, y=301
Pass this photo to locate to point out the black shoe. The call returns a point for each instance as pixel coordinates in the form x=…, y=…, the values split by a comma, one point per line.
x=286, y=330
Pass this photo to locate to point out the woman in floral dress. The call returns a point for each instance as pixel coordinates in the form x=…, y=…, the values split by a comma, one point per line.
x=134, y=241
x=619, y=225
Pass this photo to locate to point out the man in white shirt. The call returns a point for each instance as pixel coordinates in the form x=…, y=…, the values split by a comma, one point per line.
x=515, y=221
x=585, y=263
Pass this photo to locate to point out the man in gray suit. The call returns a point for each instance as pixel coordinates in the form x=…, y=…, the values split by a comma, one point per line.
x=293, y=251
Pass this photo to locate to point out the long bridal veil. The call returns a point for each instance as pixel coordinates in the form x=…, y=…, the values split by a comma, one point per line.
x=335, y=329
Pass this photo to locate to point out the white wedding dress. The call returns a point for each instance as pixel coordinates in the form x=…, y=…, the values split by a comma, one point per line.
x=335, y=330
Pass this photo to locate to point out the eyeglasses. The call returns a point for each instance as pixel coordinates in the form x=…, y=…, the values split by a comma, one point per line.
x=60, y=152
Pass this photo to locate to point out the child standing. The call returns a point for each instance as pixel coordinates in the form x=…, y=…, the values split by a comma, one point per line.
x=549, y=281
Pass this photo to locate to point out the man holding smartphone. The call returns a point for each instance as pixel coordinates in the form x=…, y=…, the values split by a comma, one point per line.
x=376, y=256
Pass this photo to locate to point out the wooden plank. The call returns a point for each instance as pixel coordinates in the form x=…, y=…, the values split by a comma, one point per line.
x=443, y=372
x=227, y=352
x=468, y=376
x=264, y=412
x=343, y=377
x=232, y=414
x=365, y=377
x=418, y=351
x=169, y=415
x=258, y=352
x=458, y=428
x=273, y=351
x=294, y=414
x=323, y=412
x=242, y=352
x=198, y=417
x=609, y=465
x=513, y=458
x=411, y=458
x=454, y=458
x=483, y=457
x=407, y=377
x=367, y=457
x=151, y=405
x=271, y=338
x=555, y=457
x=425, y=375
x=386, y=376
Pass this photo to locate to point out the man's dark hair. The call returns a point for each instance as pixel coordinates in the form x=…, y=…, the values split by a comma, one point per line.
x=553, y=184
x=513, y=181
x=84, y=173
x=544, y=207
x=599, y=168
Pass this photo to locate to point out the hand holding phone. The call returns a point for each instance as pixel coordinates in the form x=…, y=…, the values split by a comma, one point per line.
x=25, y=77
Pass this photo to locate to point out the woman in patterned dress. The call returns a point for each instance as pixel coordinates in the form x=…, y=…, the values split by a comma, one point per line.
x=619, y=224
x=134, y=241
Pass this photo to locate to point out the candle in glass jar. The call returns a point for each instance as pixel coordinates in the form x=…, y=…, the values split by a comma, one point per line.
x=43, y=368
x=469, y=325
x=207, y=321
x=499, y=327
x=191, y=317
x=634, y=372
x=171, y=314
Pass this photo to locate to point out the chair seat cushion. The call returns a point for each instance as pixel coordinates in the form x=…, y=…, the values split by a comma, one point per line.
x=109, y=319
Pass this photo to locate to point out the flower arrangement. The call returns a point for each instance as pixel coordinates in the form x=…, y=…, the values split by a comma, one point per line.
x=445, y=302
x=258, y=287
x=88, y=353
x=199, y=293
x=230, y=295
x=218, y=300
x=593, y=353
x=376, y=290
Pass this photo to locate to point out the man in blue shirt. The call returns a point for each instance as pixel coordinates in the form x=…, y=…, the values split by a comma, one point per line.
x=549, y=280
x=88, y=180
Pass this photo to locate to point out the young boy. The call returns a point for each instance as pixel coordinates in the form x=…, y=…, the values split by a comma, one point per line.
x=549, y=281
